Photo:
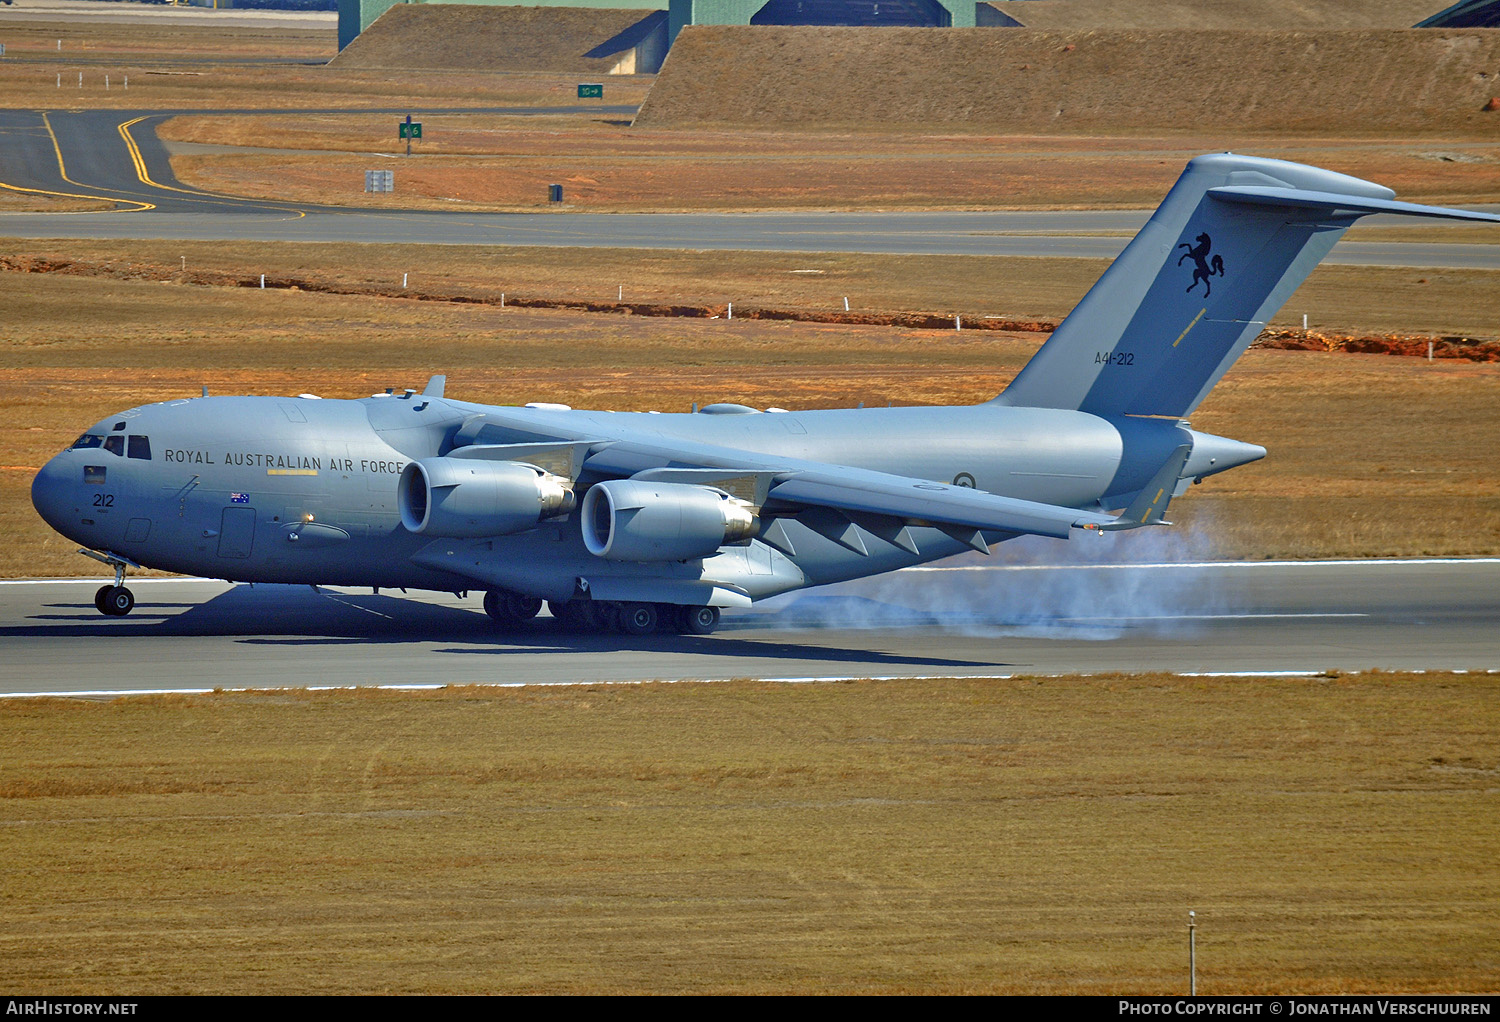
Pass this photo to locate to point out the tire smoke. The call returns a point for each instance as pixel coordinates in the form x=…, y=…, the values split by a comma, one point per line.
x=1092, y=587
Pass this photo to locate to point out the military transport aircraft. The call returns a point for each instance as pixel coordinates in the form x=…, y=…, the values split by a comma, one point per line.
x=639, y=521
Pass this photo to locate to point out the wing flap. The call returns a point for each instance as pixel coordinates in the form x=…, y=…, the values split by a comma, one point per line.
x=957, y=510
x=1150, y=506
x=920, y=502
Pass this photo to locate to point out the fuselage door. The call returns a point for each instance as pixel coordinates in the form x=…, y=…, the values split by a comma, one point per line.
x=237, y=532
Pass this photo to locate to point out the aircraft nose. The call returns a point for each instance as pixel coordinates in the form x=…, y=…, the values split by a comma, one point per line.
x=50, y=493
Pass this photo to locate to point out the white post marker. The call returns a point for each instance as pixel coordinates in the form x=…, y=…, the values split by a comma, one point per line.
x=502, y=299
x=1304, y=321
x=846, y=303
x=80, y=79
x=403, y=282
x=59, y=79
x=1429, y=351
x=1192, y=954
x=621, y=296
x=958, y=323
x=106, y=83
x=184, y=262
x=731, y=311
x=262, y=281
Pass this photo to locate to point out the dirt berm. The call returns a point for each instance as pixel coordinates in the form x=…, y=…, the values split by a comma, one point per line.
x=1464, y=348
x=452, y=37
x=1377, y=83
x=1081, y=15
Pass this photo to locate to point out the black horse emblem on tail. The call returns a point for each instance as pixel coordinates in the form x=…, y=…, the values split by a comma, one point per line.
x=1202, y=267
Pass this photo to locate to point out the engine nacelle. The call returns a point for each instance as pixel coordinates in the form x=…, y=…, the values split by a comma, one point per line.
x=632, y=520
x=464, y=498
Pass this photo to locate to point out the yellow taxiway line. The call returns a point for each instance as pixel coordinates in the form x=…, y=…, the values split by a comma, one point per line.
x=144, y=176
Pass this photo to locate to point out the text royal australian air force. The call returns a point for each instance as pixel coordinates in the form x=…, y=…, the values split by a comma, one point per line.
x=284, y=461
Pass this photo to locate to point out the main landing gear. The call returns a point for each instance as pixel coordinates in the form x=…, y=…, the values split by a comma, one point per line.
x=113, y=600
x=511, y=609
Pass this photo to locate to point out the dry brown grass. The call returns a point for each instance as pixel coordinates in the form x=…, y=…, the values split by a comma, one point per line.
x=490, y=162
x=1333, y=835
x=19, y=200
x=1082, y=15
x=1417, y=82
x=277, y=66
x=30, y=36
x=673, y=183
x=454, y=37
x=1337, y=299
x=282, y=87
x=1371, y=455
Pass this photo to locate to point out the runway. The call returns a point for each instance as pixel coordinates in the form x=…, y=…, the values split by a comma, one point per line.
x=115, y=156
x=1239, y=618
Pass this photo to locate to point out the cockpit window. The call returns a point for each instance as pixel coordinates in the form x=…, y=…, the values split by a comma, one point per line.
x=88, y=440
x=140, y=447
x=115, y=445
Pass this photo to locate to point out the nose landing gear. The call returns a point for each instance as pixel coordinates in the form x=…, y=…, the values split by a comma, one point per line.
x=113, y=600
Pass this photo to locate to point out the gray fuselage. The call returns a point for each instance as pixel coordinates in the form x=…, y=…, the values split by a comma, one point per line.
x=304, y=490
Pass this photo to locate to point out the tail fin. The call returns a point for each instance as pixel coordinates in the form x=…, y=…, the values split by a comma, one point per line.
x=1229, y=244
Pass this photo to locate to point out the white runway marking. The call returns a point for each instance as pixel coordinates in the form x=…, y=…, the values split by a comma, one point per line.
x=809, y=680
x=1204, y=617
x=1392, y=562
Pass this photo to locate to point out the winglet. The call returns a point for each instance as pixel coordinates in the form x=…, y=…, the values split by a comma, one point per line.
x=1151, y=505
x=435, y=386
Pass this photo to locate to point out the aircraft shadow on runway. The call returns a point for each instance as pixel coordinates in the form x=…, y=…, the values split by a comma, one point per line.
x=295, y=615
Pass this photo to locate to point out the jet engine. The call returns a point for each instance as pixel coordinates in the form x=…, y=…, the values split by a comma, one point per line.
x=465, y=498
x=633, y=520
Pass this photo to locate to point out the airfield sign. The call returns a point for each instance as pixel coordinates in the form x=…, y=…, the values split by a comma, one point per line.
x=409, y=129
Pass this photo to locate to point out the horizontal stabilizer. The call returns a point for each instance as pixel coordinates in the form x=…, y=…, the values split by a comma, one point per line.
x=1336, y=204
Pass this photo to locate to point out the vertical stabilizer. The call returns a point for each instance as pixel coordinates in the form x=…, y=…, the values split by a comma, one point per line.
x=1230, y=243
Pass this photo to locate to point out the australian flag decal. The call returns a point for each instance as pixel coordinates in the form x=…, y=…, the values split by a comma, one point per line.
x=239, y=498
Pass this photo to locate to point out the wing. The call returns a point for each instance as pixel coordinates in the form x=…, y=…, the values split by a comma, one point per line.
x=922, y=502
x=783, y=486
x=857, y=491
